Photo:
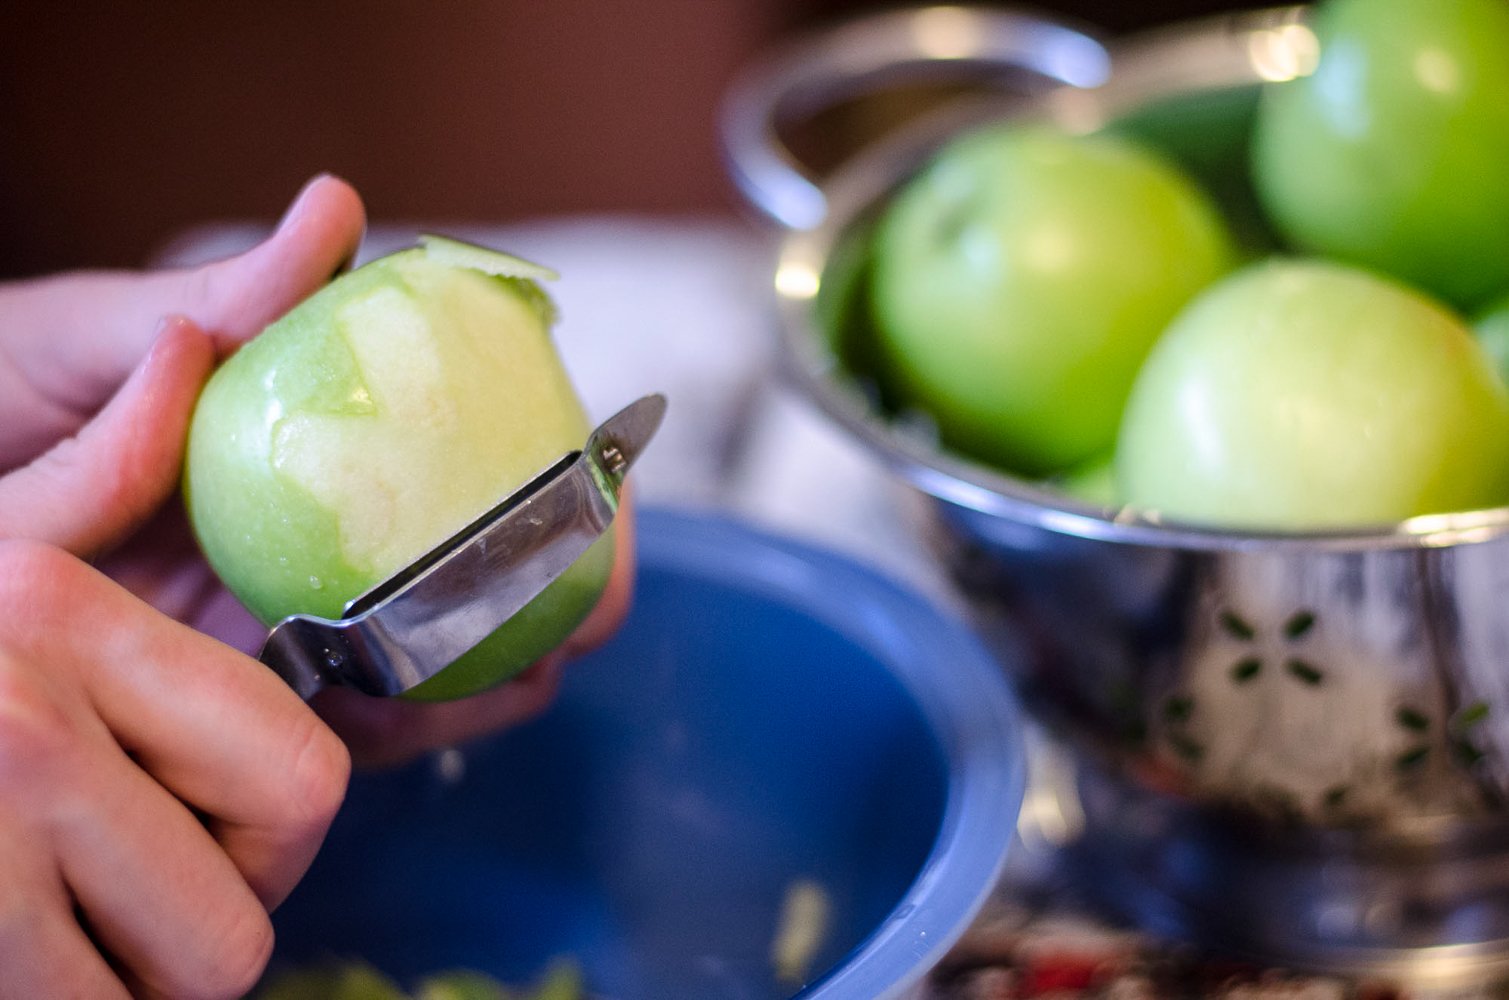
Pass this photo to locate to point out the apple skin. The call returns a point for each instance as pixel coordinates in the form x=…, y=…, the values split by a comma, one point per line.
x=1305, y=394
x=369, y=424
x=1393, y=154
x=1020, y=279
x=1491, y=327
x=1093, y=483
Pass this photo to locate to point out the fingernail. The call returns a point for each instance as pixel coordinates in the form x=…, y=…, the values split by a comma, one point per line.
x=170, y=328
x=160, y=334
x=159, y=337
x=299, y=199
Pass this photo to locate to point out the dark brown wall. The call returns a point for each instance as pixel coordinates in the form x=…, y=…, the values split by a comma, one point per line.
x=121, y=123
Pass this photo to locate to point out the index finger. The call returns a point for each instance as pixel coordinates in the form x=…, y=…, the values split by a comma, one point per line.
x=72, y=338
x=210, y=724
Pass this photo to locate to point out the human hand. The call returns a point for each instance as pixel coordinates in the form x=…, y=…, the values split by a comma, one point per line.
x=384, y=731
x=162, y=791
x=66, y=342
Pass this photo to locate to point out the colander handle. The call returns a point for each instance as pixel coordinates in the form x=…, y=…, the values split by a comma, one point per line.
x=815, y=72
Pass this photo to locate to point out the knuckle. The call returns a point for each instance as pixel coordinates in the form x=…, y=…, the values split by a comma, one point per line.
x=35, y=733
x=213, y=293
x=23, y=565
x=228, y=965
x=35, y=579
x=317, y=787
x=248, y=948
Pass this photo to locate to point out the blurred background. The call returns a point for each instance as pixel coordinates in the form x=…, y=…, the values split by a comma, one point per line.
x=122, y=124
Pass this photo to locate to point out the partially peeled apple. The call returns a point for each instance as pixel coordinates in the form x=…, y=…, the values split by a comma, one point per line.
x=375, y=420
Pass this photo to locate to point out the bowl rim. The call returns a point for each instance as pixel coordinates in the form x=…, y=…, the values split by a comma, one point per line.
x=974, y=717
x=1221, y=52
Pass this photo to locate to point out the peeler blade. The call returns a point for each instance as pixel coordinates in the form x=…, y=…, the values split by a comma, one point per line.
x=416, y=623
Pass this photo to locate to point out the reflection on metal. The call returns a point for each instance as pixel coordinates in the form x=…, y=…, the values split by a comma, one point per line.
x=969, y=44
x=1296, y=744
x=946, y=33
x=1284, y=53
x=415, y=624
x=795, y=280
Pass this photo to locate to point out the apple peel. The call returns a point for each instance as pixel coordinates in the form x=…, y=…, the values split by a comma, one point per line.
x=373, y=421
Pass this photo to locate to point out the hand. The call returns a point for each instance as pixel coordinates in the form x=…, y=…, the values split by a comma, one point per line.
x=67, y=342
x=388, y=730
x=162, y=792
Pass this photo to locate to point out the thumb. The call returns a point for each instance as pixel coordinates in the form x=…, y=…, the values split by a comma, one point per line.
x=235, y=298
x=93, y=490
x=78, y=335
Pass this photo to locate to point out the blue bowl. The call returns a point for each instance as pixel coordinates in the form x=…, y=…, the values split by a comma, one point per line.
x=770, y=713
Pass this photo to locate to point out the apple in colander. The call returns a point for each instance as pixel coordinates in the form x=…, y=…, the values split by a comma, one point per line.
x=1300, y=393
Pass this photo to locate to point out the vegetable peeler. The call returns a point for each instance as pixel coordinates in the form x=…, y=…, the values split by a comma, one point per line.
x=413, y=625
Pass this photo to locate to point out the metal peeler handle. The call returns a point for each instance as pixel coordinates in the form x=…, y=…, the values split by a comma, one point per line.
x=415, y=624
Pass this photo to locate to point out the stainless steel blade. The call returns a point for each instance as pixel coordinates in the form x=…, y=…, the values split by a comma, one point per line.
x=415, y=624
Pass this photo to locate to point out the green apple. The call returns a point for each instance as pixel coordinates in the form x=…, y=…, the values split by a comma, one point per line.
x=1394, y=152
x=1304, y=394
x=1492, y=329
x=1092, y=483
x=371, y=423
x=1020, y=279
x=347, y=981
x=358, y=981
